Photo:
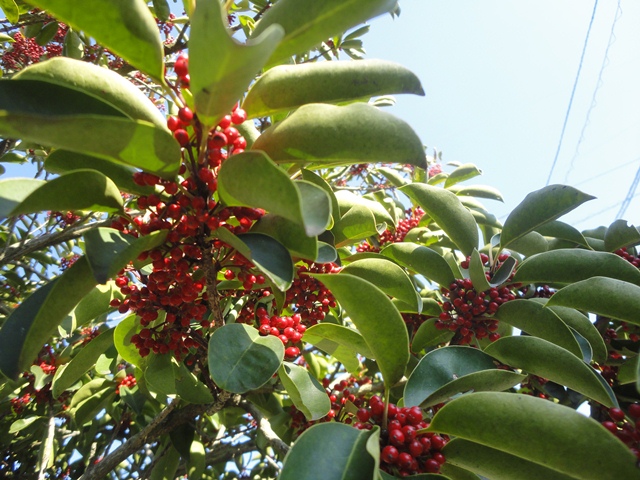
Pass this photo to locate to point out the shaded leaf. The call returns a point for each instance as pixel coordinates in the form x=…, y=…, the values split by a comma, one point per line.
x=241, y=360
x=581, y=324
x=341, y=342
x=189, y=388
x=127, y=328
x=421, y=260
x=529, y=244
x=325, y=135
x=540, y=207
x=563, y=231
x=286, y=87
x=160, y=374
x=477, y=273
x=548, y=434
x=305, y=391
x=428, y=335
x=90, y=399
x=288, y=233
x=620, y=234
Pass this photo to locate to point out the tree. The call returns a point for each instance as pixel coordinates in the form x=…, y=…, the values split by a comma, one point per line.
x=220, y=274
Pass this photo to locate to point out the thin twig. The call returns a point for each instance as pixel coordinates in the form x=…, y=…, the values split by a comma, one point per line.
x=273, y=440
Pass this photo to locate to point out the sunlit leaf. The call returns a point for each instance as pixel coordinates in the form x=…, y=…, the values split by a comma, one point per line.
x=305, y=391
x=421, y=260
x=341, y=342
x=461, y=174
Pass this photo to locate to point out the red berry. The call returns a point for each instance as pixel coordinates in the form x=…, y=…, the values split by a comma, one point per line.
x=396, y=437
x=616, y=414
x=181, y=67
x=292, y=352
x=389, y=454
x=634, y=410
x=182, y=137
x=185, y=114
x=431, y=466
x=238, y=116
x=363, y=415
x=173, y=123
x=405, y=460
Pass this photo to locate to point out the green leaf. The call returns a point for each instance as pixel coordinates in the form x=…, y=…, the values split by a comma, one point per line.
x=287, y=87
x=270, y=188
x=30, y=326
x=495, y=464
x=342, y=342
x=566, y=266
x=197, y=460
x=530, y=244
x=11, y=10
x=447, y=211
x=98, y=82
x=84, y=360
x=126, y=27
x=189, y=388
x=377, y=320
x=271, y=257
x=128, y=327
x=14, y=190
x=539, y=431
x=316, y=179
x=581, y=324
x=63, y=161
x=620, y=234
x=23, y=423
x=289, y=234
x=241, y=360
x=421, y=260
x=564, y=231
x=160, y=374
x=90, y=399
x=531, y=317
x=77, y=190
x=167, y=465
x=307, y=23
x=221, y=69
x=477, y=273
x=347, y=200
x=545, y=359
x=440, y=369
x=604, y=296
x=109, y=250
x=461, y=174
x=161, y=9
x=325, y=135
x=388, y=277
x=305, y=391
x=428, y=335
x=540, y=207
x=479, y=191
x=343, y=454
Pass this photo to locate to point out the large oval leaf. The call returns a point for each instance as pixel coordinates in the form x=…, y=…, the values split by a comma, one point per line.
x=572, y=265
x=326, y=135
x=581, y=324
x=376, y=319
x=343, y=455
x=342, y=342
x=545, y=359
x=221, y=69
x=99, y=82
x=287, y=87
x=540, y=207
x=440, y=367
x=531, y=317
x=388, y=277
x=126, y=329
x=77, y=190
x=539, y=431
x=421, y=260
x=447, y=211
x=305, y=391
x=290, y=234
x=126, y=27
x=241, y=360
x=307, y=23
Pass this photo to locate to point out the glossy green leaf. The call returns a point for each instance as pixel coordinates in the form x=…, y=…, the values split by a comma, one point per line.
x=76, y=190
x=354, y=225
x=271, y=257
x=305, y=391
x=161, y=9
x=421, y=260
x=604, y=296
x=545, y=359
x=581, y=324
x=63, y=161
x=109, y=250
x=447, y=211
x=289, y=234
x=540, y=207
x=13, y=191
x=23, y=423
x=84, y=360
x=479, y=191
x=567, y=266
x=376, y=319
x=341, y=342
x=90, y=399
x=504, y=272
x=477, y=273
x=220, y=67
x=343, y=454
x=561, y=230
x=101, y=83
x=241, y=360
x=316, y=179
x=325, y=135
x=93, y=305
x=621, y=234
x=189, y=388
x=127, y=328
x=428, y=335
x=270, y=188
x=496, y=464
x=539, y=431
x=160, y=374
x=531, y=317
x=126, y=27
x=286, y=87
x=529, y=244
x=388, y=277
x=461, y=174
x=11, y=10
x=30, y=326
x=441, y=367
x=347, y=200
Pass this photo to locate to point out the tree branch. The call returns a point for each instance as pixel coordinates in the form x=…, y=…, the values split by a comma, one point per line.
x=273, y=440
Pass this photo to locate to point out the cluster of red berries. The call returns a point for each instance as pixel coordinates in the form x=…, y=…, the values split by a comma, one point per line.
x=629, y=257
x=67, y=262
x=47, y=362
x=288, y=329
x=25, y=51
x=307, y=296
x=64, y=218
x=129, y=381
x=468, y=312
x=397, y=235
x=627, y=430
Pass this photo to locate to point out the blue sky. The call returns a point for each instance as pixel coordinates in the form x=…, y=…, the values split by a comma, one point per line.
x=498, y=76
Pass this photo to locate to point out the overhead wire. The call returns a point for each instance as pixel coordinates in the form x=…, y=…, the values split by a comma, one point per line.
x=605, y=62
x=573, y=91
x=630, y=194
